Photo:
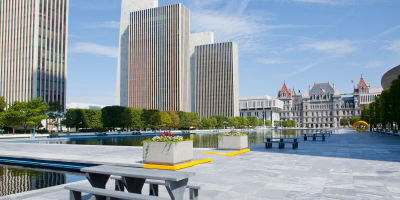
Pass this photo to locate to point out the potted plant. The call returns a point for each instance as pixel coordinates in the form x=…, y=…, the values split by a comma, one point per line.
x=233, y=141
x=167, y=149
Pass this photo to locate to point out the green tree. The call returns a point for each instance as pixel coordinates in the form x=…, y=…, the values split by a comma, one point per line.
x=268, y=123
x=54, y=114
x=175, y=119
x=70, y=118
x=151, y=118
x=372, y=106
x=131, y=117
x=206, y=123
x=253, y=121
x=385, y=107
x=354, y=120
x=111, y=116
x=394, y=101
x=232, y=122
x=219, y=120
x=3, y=105
x=91, y=118
x=277, y=123
x=13, y=116
x=166, y=120
x=344, y=122
x=189, y=120
x=36, y=112
x=377, y=114
x=365, y=114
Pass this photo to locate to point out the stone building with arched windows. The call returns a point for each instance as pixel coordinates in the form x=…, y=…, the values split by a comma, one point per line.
x=322, y=106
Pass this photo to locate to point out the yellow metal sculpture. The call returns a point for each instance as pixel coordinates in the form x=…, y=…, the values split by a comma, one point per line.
x=361, y=126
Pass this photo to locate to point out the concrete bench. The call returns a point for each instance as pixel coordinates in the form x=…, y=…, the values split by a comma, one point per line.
x=75, y=193
x=153, y=189
x=281, y=142
x=136, y=133
x=54, y=135
x=314, y=136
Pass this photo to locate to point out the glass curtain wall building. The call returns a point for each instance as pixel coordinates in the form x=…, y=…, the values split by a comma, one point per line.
x=33, y=50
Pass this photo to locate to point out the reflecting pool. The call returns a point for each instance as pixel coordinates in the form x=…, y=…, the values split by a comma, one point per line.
x=204, y=140
x=15, y=179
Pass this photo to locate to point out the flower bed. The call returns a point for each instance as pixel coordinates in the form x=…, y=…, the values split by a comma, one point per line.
x=167, y=149
x=233, y=141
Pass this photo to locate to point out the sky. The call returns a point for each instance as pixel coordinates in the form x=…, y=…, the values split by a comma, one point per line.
x=299, y=42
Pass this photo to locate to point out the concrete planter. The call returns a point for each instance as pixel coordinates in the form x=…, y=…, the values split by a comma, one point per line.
x=162, y=153
x=233, y=142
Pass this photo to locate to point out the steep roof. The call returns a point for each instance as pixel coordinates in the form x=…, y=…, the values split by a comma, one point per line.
x=337, y=94
x=305, y=95
x=362, y=82
x=284, y=88
x=316, y=89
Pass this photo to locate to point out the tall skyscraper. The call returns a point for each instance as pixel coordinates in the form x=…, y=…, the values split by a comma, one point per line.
x=159, y=60
x=33, y=49
x=217, y=80
x=127, y=6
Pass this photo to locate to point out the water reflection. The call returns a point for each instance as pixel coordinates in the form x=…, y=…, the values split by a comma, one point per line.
x=15, y=180
x=207, y=140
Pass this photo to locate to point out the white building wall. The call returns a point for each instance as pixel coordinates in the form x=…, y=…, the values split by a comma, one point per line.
x=33, y=46
x=217, y=91
x=195, y=40
x=127, y=6
x=158, y=72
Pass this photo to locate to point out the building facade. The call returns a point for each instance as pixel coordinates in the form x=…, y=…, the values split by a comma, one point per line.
x=127, y=6
x=158, y=73
x=323, y=106
x=33, y=50
x=261, y=106
x=217, y=80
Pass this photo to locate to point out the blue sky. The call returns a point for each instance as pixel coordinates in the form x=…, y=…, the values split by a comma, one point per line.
x=301, y=42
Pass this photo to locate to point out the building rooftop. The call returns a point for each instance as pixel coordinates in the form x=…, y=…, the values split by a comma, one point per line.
x=376, y=90
x=257, y=97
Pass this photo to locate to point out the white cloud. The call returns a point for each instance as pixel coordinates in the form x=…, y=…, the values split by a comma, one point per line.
x=333, y=48
x=388, y=31
x=95, y=49
x=374, y=64
x=106, y=24
x=393, y=45
x=271, y=61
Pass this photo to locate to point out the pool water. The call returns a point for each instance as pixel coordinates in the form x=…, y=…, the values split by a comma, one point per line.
x=204, y=140
x=15, y=179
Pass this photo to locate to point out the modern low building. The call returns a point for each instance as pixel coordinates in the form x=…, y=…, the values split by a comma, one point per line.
x=390, y=76
x=76, y=105
x=33, y=50
x=217, y=80
x=323, y=106
x=261, y=106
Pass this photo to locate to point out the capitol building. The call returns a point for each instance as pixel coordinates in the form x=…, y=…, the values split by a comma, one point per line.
x=322, y=106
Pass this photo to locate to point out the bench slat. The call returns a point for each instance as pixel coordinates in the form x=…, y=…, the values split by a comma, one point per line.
x=156, y=182
x=139, y=172
x=111, y=193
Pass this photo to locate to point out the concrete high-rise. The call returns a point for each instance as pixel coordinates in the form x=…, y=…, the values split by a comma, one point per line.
x=159, y=61
x=127, y=6
x=33, y=50
x=217, y=80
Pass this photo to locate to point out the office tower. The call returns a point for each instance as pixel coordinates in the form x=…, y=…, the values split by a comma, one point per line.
x=159, y=60
x=33, y=50
x=217, y=80
x=127, y=6
x=195, y=40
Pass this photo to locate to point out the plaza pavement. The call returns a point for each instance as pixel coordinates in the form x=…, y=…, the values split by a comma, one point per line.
x=348, y=165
